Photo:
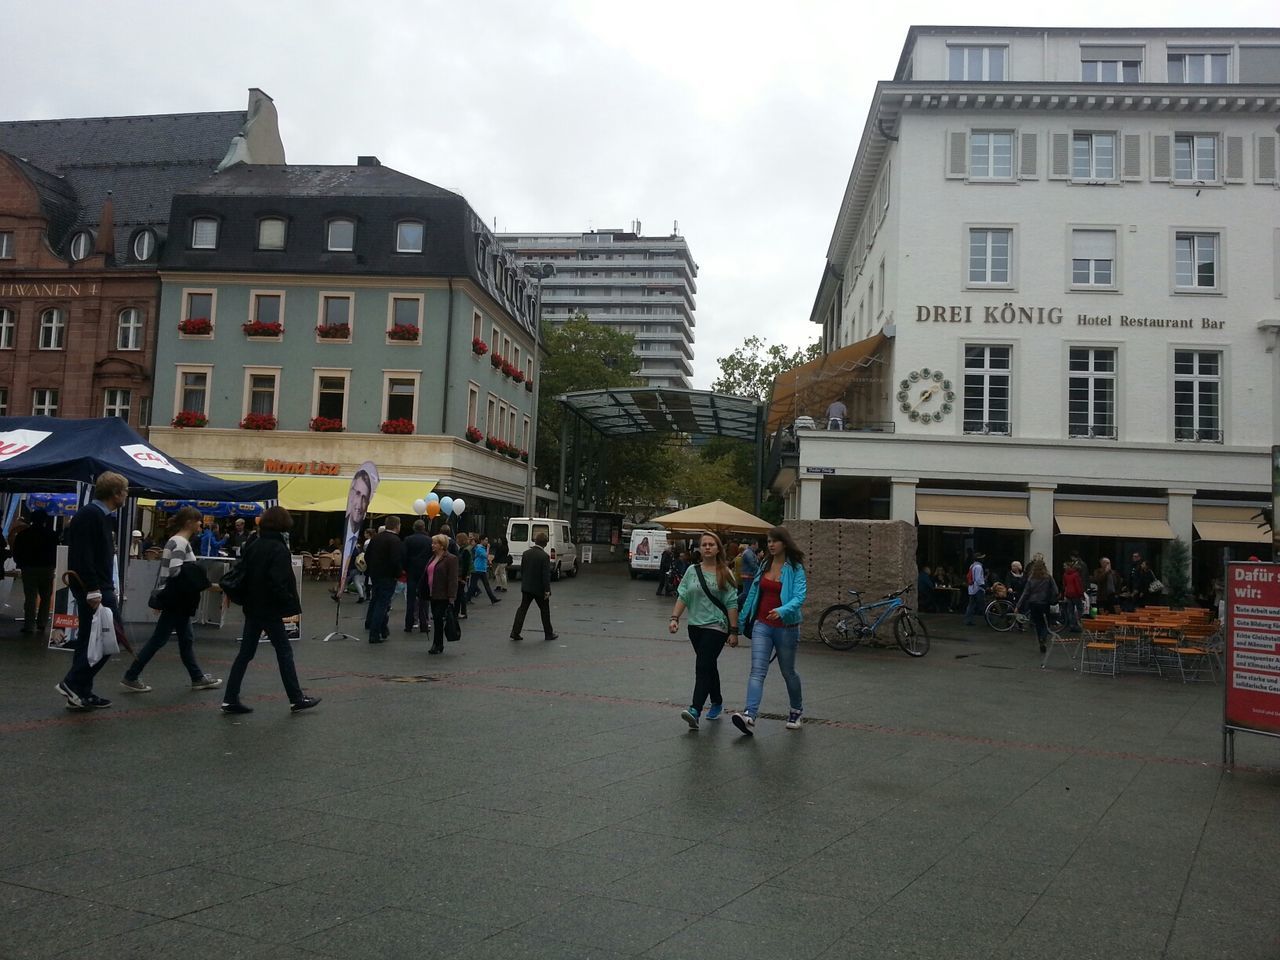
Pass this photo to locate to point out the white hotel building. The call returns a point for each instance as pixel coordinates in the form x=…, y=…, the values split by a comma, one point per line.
x=1052, y=298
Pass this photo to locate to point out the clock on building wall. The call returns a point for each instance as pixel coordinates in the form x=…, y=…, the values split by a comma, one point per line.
x=926, y=396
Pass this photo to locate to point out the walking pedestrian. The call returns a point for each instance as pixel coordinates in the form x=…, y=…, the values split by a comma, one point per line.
x=750, y=567
x=665, y=563
x=270, y=595
x=535, y=586
x=182, y=584
x=416, y=552
x=436, y=589
x=710, y=594
x=90, y=540
x=1108, y=582
x=773, y=608
x=464, y=575
x=977, y=580
x=382, y=560
x=1072, y=595
x=1040, y=592
x=480, y=570
x=35, y=551
x=500, y=560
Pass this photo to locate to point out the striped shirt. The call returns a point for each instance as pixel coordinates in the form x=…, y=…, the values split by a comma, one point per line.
x=176, y=552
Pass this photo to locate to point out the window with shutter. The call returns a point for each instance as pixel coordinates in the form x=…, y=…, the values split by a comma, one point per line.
x=1161, y=157
x=1235, y=160
x=957, y=155
x=1264, y=158
x=1059, y=156
x=1132, y=158
x=1028, y=156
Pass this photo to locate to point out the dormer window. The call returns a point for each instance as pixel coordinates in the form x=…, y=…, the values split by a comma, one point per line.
x=271, y=232
x=341, y=235
x=409, y=235
x=144, y=245
x=204, y=233
x=81, y=245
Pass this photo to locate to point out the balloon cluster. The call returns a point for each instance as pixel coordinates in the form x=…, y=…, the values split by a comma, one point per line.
x=433, y=505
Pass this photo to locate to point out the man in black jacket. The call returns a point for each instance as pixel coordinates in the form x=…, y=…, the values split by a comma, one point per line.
x=90, y=540
x=416, y=555
x=535, y=586
x=382, y=563
x=35, y=551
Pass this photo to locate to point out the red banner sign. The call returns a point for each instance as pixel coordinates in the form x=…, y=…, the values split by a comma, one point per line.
x=1253, y=647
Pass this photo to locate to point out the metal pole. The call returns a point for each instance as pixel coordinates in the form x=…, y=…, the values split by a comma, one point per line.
x=544, y=270
x=565, y=414
x=577, y=473
x=759, y=458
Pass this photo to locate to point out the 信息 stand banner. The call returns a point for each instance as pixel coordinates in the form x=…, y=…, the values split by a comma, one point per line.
x=1252, y=697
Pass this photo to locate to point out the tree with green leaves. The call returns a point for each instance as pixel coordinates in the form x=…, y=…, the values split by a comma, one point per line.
x=1176, y=573
x=750, y=370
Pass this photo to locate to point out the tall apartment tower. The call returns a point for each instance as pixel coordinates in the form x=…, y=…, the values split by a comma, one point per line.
x=640, y=285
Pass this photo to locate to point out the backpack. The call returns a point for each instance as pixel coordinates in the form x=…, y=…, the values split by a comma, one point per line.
x=233, y=583
x=968, y=576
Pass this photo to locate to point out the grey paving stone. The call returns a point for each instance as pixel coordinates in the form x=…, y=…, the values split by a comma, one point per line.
x=82, y=871
x=1060, y=928
x=166, y=940
x=1244, y=937
x=393, y=934
x=283, y=914
x=475, y=896
x=628, y=846
x=176, y=892
x=718, y=937
x=285, y=862
x=46, y=927
x=510, y=945
x=780, y=906
x=628, y=928
x=535, y=831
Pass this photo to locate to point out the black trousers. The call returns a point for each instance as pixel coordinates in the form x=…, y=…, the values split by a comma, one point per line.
x=439, y=611
x=544, y=605
x=707, y=644
x=253, y=630
x=80, y=677
x=411, y=602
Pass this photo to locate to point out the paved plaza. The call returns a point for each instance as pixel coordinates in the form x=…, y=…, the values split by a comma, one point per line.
x=543, y=799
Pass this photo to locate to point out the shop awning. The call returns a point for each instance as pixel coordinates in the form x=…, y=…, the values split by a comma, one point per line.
x=1229, y=524
x=812, y=387
x=972, y=510
x=329, y=494
x=1113, y=519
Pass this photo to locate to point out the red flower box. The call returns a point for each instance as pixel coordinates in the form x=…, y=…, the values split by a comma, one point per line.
x=479, y=347
x=196, y=326
x=189, y=418
x=334, y=331
x=325, y=425
x=258, y=421
x=496, y=362
x=509, y=369
x=406, y=332
x=518, y=376
x=524, y=455
x=512, y=451
x=492, y=442
x=400, y=425
x=474, y=434
x=256, y=329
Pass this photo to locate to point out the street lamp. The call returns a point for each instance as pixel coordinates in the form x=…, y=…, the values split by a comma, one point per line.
x=538, y=272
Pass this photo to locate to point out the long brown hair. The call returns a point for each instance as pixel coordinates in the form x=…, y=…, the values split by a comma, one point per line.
x=790, y=552
x=724, y=576
x=180, y=519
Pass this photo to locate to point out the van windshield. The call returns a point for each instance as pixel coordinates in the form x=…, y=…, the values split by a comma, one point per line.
x=520, y=531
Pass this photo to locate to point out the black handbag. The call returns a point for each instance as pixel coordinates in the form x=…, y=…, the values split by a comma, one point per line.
x=233, y=583
x=452, y=629
x=156, y=601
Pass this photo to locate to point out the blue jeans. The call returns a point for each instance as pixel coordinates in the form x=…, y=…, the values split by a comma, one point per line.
x=376, y=619
x=168, y=623
x=976, y=607
x=766, y=638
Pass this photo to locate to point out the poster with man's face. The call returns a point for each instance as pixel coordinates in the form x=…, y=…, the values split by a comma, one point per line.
x=363, y=485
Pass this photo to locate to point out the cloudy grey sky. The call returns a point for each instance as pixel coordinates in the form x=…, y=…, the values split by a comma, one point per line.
x=737, y=118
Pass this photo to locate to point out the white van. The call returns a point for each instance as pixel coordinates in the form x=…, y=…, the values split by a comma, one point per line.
x=564, y=553
x=644, y=553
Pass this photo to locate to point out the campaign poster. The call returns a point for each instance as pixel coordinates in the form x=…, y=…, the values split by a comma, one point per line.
x=363, y=484
x=1253, y=648
x=66, y=618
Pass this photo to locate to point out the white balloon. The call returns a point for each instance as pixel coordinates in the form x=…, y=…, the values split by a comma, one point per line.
x=419, y=507
x=458, y=506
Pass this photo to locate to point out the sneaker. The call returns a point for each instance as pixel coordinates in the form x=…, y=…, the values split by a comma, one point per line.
x=134, y=686
x=206, y=683
x=236, y=708
x=93, y=700
x=744, y=722
x=793, y=719
x=73, y=698
x=306, y=703
x=713, y=713
x=690, y=716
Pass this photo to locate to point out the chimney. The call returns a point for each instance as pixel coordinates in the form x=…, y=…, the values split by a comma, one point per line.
x=368, y=162
x=107, y=229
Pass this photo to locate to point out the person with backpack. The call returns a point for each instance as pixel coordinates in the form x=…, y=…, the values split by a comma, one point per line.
x=1072, y=595
x=976, y=578
x=709, y=593
x=267, y=591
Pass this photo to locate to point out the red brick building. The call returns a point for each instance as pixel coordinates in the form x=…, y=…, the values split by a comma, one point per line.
x=84, y=211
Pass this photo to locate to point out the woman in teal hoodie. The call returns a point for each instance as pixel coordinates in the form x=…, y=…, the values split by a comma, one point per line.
x=773, y=605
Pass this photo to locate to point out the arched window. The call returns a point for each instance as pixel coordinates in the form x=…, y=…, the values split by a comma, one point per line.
x=341, y=235
x=271, y=232
x=144, y=245
x=204, y=233
x=129, y=329
x=53, y=329
x=8, y=329
x=409, y=236
x=81, y=245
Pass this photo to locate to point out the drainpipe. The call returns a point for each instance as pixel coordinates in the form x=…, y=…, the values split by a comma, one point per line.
x=448, y=352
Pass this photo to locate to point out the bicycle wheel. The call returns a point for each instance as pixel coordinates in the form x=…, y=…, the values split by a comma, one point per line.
x=838, y=627
x=1000, y=615
x=912, y=635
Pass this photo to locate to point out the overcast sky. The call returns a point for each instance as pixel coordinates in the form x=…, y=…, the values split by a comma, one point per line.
x=738, y=119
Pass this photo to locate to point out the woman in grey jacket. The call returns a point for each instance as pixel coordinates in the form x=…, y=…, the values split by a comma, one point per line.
x=1039, y=593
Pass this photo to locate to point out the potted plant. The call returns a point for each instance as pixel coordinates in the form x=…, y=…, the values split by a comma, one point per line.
x=189, y=418
x=404, y=332
x=325, y=425
x=474, y=434
x=334, y=331
x=255, y=328
x=528, y=385
x=400, y=425
x=479, y=347
x=495, y=361
x=492, y=442
x=512, y=451
x=509, y=369
x=258, y=421
x=196, y=327
x=524, y=455
x=517, y=375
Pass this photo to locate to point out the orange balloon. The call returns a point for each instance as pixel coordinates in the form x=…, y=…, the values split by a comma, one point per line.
x=433, y=509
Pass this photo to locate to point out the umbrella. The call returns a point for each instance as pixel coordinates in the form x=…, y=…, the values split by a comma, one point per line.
x=716, y=515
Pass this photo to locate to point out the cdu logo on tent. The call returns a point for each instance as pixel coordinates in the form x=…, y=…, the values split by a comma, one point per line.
x=144, y=456
x=15, y=442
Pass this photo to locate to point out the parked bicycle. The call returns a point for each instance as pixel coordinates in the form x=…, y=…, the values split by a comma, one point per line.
x=1000, y=615
x=843, y=626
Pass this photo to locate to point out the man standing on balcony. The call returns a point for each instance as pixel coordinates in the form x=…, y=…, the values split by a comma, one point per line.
x=836, y=414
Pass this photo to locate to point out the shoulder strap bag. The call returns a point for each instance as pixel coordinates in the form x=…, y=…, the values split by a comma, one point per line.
x=711, y=596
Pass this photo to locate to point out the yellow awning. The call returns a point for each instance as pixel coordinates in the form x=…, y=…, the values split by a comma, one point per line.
x=1113, y=519
x=991, y=513
x=1228, y=524
x=812, y=387
x=329, y=494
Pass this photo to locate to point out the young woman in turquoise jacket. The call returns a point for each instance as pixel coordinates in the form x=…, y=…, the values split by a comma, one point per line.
x=773, y=603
